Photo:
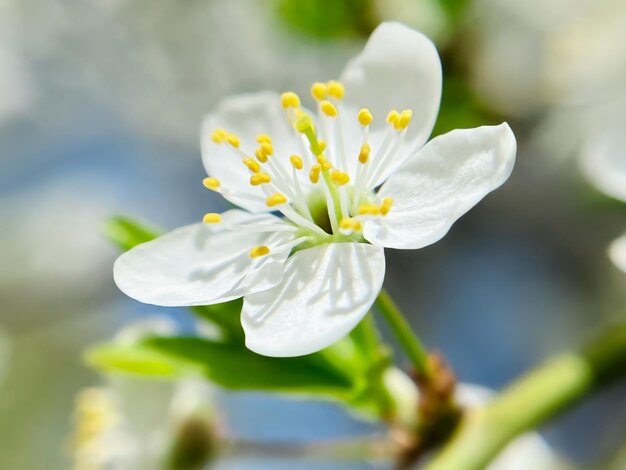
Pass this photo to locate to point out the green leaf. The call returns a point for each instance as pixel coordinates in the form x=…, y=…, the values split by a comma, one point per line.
x=135, y=359
x=238, y=368
x=227, y=364
x=128, y=233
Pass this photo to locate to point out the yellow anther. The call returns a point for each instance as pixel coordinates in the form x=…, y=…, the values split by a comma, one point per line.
x=340, y=177
x=275, y=199
x=263, y=138
x=260, y=155
x=369, y=209
x=335, y=89
x=385, y=206
x=252, y=165
x=218, y=136
x=258, y=251
x=267, y=148
x=350, y=224
x=319, y=91
x=303, y=123
x=260, y=178
x=211, y=183
x=322, y=144
x=393, y=117
x=233, y=140
x=324, y=163
x=404, y=119
x=212, y=218
x=289, y=100
x=328, y=108
x=364, y=153
x=365, y=117
x=296, y=161
x=314, y=174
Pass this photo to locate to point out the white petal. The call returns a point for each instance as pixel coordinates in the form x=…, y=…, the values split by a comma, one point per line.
x=617, y=252
x=450, y=175
x=246, y=116
x=202, y=264
x=399, y=68
x=326, y=291
x=604, y=161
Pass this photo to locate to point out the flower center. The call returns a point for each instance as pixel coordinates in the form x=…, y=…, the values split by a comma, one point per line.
x=324, y=192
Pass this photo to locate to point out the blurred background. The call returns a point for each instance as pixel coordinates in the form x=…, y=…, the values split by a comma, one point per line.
x=100, y=107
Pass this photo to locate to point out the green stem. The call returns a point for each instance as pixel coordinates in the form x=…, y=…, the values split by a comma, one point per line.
x=412, y=346
x=532, y=400
x=379, y=357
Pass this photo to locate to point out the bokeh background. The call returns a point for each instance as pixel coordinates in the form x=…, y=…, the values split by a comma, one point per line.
x=100, y=107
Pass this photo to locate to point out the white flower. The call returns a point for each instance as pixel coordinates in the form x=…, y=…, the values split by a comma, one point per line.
x=307, y=250
x=137, y=423
x=140, y=422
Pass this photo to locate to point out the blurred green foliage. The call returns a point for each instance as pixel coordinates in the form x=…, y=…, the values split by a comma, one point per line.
x=460, y=109
x=127, y=233
x=328, y=19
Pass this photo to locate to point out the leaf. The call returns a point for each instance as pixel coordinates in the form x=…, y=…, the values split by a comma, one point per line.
x=238, y=368
x=128, y=233
x=134, y=359
x=226, y=364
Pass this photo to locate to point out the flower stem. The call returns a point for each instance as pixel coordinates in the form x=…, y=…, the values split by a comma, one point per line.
x=534, y=399
x=411, y=344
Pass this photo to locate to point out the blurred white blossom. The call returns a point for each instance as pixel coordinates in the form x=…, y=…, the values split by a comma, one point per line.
x=143, y=423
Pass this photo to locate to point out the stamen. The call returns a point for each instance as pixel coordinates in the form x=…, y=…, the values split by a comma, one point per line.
x=385, y=207
x=328, y=108
x=260, y=178
x=335, y=89
x=211, y=183
x=275, y=199
x=259, y=251
x=319, y=91
x=289, y=100
x=212, y=218
x=233, y=140
x=392, y=117
x=314, y=174
x=322, y=144
x=218, y=136
x=339, y=177
x=263, y=138
x=349, y=225
x=260, y=155
x=384, y=158
x=369, y=209
x=296, y=162
x=252, y=165
x=364, y=154
x=404, y=119
x=267, y=148
x=365, y=117
x=300, y=200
